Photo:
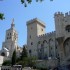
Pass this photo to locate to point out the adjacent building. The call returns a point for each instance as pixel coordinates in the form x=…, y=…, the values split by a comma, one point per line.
x=10, y=43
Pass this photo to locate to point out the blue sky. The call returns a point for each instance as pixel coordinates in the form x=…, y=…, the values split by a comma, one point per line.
x=44, y=11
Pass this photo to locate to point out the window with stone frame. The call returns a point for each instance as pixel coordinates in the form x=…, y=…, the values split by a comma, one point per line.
x=41, y=29
x=58, y=55
x=67, y=28
x=31, y=43
x=10, y=33
x=7, y=38
x=30, y=51
x=30, y=36
x=56, y=47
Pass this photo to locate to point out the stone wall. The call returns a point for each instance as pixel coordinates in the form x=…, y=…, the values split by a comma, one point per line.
x=1, y=60
x=47, y=63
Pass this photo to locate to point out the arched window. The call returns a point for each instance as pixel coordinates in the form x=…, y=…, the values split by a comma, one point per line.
x=67, y=46
x=67, y=28
x=44, y=41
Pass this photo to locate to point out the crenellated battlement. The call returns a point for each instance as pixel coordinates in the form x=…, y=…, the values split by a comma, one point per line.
x=67, y=14
x=58, y=13
x=62, y=14
x=47, y=34
x=36, y=20
x=61, y=21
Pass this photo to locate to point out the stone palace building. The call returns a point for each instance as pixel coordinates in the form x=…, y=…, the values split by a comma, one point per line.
x=53, y=45
x=44, y=46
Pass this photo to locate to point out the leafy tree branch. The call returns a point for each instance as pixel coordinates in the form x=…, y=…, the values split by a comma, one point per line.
x=2, y=16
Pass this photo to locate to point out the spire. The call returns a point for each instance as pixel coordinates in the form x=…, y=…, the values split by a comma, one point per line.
x=12, y=25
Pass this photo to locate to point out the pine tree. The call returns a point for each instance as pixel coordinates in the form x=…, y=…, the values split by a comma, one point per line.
x=14, y=58
x=6, y=63
x=24, y=53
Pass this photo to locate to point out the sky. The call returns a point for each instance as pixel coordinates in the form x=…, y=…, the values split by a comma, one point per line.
x=43, y=11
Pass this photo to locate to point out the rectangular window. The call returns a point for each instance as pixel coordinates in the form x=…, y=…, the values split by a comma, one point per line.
x=29, y=51
x=10, y=33
x=56, y=47
x=58, y=54
x=42, y=29
x=30, y=36
x=31, y=43
x=7, y=37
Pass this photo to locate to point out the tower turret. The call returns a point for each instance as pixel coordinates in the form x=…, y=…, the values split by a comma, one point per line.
x=12, y=25
x=34, y=28
x=59, y=19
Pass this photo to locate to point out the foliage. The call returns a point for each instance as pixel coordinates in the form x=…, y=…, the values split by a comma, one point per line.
x=7, y=62
x=23, y=59
x=1, y=16
x=25, y=2
x=20, y=63
x=14, y=58
x=31, y=62
x=18, y=59
x=23, y=54
x=26, y=62
x=23, y=62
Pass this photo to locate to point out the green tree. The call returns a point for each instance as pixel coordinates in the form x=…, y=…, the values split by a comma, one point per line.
x=27, y=61
x=32, y=61
x=1, y=16
x=14, y=58
x=25, y=2
x=24, y=53
x=7, y=62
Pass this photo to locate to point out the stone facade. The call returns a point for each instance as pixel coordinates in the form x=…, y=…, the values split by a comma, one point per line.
x=39, y=43
x=44, y=46
x=10, y=43
x=50, y=45
x=33, y=30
